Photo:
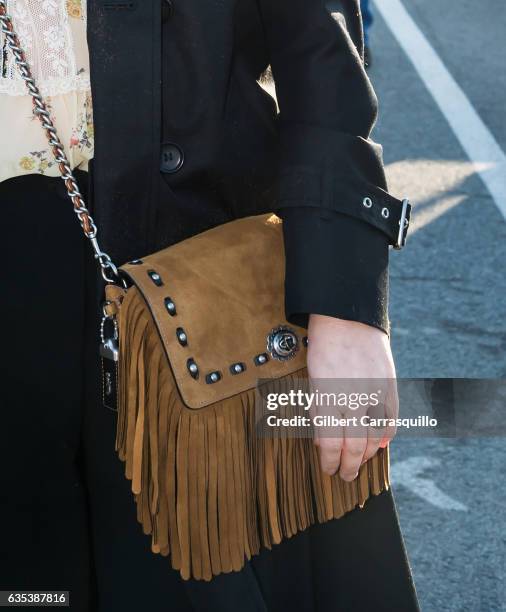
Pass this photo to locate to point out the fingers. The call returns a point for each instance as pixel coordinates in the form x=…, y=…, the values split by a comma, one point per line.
x=377, y=435
x=354, y=447
x=344, y=449
x=329, y=450
x=351, y=457
x=374, y=439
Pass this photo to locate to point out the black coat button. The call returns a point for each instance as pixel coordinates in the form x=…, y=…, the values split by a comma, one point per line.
x=171, y=159
x=167, y=10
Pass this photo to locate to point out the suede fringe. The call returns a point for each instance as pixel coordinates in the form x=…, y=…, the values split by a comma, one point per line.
x=209, y=490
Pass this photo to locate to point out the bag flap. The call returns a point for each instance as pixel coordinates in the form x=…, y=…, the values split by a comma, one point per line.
x=217, y=299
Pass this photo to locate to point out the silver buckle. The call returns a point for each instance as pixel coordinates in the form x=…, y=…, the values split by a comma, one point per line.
x=403, y=224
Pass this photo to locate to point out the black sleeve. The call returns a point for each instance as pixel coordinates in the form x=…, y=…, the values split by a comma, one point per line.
x=338, y=218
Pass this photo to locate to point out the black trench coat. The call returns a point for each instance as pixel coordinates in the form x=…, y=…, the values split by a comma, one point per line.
x=186, y=139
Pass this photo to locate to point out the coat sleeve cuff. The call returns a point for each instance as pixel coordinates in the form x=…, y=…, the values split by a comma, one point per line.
x=336, y=265
x=325, y=168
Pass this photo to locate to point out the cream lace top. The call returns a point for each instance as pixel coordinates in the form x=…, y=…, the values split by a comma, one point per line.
x=53, y=34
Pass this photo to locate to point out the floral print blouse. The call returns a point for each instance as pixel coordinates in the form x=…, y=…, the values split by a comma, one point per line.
x=53, y=34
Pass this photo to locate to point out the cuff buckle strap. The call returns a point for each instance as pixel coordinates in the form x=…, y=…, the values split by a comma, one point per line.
x=304, y=186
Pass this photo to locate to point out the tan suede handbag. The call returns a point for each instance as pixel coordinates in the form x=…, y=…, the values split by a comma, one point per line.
x=187, y=333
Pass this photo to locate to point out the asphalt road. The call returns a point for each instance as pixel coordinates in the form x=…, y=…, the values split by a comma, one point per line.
x=448, y=297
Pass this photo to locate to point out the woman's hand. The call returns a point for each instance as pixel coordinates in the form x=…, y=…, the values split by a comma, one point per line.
x=341, y=349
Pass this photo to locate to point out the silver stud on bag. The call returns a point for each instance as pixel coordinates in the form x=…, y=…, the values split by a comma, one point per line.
x=155, y=277
x=135, y=262
x=305, y=341
x=367, y=202
x=237, y=368
x=261, y=359
x=192, y=368
x=385, y=213
x=170, y=306
x=181, y=336
x=213, y=377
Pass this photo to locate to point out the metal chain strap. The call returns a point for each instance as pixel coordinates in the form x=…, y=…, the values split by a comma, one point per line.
x=107, y=267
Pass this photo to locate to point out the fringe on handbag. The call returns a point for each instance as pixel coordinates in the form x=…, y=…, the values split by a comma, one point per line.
x=210, y=488
x=186, y=335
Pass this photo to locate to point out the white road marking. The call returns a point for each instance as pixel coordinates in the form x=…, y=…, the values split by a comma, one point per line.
x=407, y=473
x=476, y=139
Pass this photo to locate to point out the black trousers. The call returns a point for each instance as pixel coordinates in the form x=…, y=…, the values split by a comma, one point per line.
x=67, y=517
